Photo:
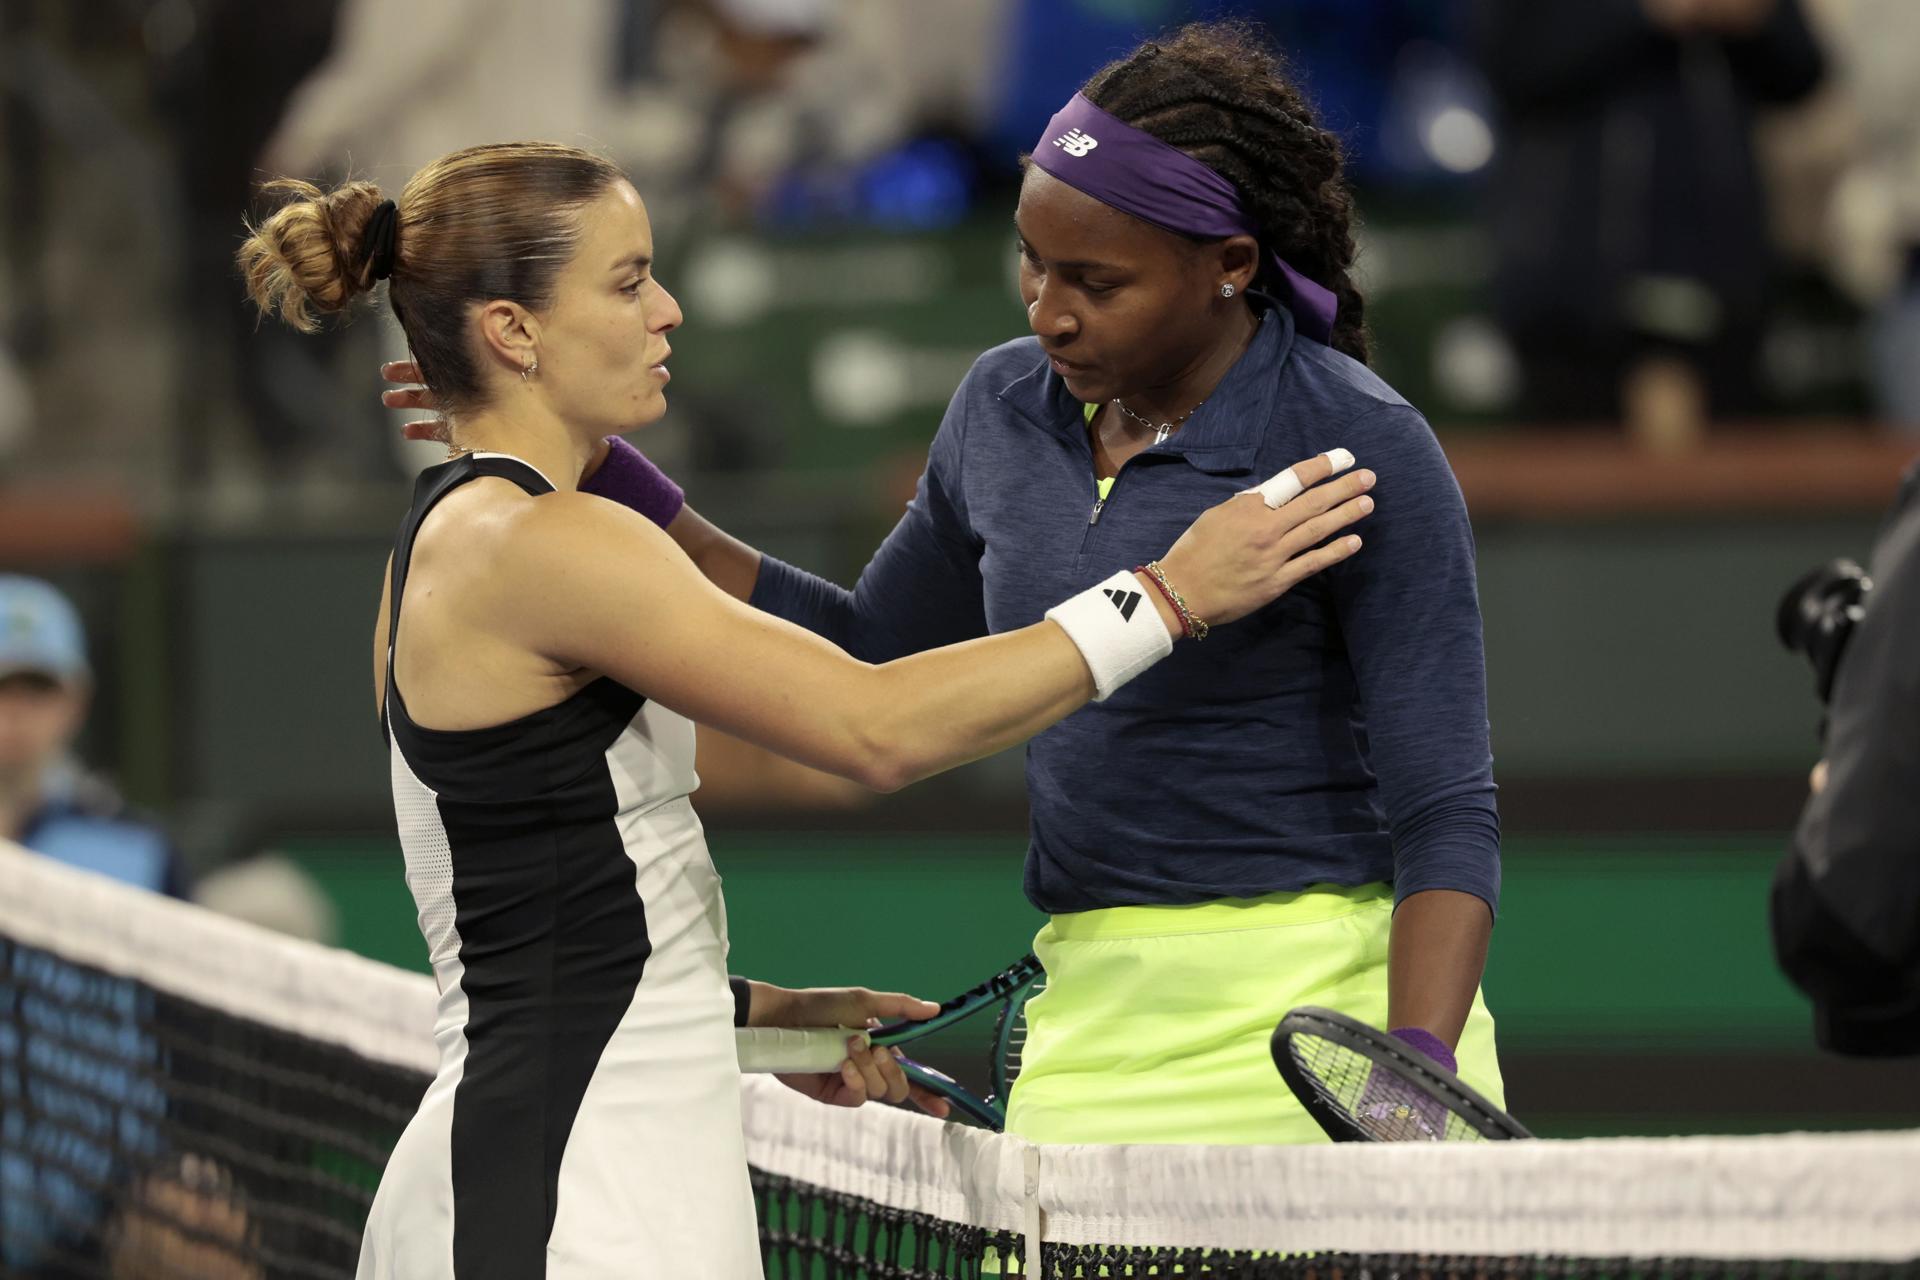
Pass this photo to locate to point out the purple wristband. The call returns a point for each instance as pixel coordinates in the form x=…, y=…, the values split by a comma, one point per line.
x=1428, y=1043
x=629, y=478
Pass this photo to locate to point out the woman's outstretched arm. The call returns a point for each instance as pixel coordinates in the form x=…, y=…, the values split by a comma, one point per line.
x=591, y=584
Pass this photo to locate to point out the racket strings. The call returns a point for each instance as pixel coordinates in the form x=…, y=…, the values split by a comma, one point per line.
x=999, y=1003
x=1013, y=1055
x=1384, y=1104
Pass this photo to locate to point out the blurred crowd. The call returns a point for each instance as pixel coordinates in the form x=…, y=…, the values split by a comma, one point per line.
x=1641, y=237
x=1681, y=211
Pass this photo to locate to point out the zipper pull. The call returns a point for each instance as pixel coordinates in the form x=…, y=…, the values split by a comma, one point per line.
x=1102, y=495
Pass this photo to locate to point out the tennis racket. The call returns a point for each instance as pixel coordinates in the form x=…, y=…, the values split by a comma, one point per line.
x=1362, y=1085
x=1004, y=996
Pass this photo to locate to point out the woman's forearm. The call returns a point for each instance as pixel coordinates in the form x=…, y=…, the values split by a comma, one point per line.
x=723, y=559
x=1437, y=954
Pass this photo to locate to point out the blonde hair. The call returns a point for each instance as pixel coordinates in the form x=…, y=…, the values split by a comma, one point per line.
x=492, y=222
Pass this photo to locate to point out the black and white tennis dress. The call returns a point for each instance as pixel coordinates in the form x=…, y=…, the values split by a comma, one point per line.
x=585, y=1120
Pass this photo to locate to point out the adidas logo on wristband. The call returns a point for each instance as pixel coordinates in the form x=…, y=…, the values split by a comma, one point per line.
x=1114, y=634
x=1125, y=601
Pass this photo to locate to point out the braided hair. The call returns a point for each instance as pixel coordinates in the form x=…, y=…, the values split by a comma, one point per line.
x=1220, y=94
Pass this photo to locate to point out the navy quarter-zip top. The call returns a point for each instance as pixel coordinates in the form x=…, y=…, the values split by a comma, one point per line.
x=1337, y=736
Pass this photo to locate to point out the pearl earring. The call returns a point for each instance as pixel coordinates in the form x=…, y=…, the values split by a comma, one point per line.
x=1226, y=290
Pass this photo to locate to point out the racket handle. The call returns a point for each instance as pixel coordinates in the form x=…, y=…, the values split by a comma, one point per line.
x=798, y=1050
x=1286, y=486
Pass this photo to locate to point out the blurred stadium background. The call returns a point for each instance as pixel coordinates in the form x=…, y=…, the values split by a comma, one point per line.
x=831, y=183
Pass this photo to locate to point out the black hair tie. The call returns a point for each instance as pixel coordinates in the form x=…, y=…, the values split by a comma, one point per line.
x=379, y=240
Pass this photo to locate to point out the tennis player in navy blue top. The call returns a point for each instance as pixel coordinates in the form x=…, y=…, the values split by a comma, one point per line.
x=1300, y=810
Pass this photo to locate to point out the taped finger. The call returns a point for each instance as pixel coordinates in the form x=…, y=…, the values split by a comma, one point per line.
x=1286, y=486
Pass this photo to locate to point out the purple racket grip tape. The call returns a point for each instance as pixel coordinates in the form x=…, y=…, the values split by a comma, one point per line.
x=629, y=478
x=1428, y=1043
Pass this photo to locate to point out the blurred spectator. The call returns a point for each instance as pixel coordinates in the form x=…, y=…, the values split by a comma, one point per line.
x=47, y=803
x=722, y=111
x=1628, y=215
x=223, y=72
x=1803, y=150
x=1876, y=211
x=707, y=103
x=400, y=86
x=666, y=88
x=784, y=112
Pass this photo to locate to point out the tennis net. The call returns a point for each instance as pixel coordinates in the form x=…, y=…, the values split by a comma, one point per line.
x=183, y=1095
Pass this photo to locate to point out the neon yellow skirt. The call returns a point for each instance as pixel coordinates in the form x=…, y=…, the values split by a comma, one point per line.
x=1155, y=1022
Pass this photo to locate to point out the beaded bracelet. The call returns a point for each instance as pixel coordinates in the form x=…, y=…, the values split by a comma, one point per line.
x=1194, y=628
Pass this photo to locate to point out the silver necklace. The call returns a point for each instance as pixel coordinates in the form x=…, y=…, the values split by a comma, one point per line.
x=1161, y=430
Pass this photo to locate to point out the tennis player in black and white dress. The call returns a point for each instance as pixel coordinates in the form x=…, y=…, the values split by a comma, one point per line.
x=576, y=929
x=541, y=655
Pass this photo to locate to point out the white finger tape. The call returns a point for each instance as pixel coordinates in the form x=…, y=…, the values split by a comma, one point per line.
x=1286, y=486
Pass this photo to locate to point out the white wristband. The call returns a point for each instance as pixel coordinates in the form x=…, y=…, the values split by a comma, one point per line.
x=1286, y=486
x=1117, y=629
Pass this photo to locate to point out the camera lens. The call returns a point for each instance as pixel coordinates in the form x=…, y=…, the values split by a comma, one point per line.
x=1817, y=615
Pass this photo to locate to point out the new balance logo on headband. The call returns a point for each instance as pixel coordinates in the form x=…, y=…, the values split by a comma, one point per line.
x=1125, y=601
x=1076, y=142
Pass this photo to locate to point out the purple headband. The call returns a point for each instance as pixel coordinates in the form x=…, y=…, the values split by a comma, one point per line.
x=1137, y=173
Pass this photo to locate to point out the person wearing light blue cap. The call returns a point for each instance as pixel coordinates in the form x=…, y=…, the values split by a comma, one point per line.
x=40, y=631
x=47, y=803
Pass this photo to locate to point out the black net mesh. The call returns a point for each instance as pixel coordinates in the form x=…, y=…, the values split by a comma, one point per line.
x=145, y=1135
x=1074, y=1263
x=142, y=1134
x=1065, y=1262
x=810, y=1233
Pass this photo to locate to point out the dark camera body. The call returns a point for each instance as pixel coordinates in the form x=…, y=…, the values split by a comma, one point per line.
x=1817, y=616
x=1846, y=901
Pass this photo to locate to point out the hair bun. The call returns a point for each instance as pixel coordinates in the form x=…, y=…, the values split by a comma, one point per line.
x=314, y=254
